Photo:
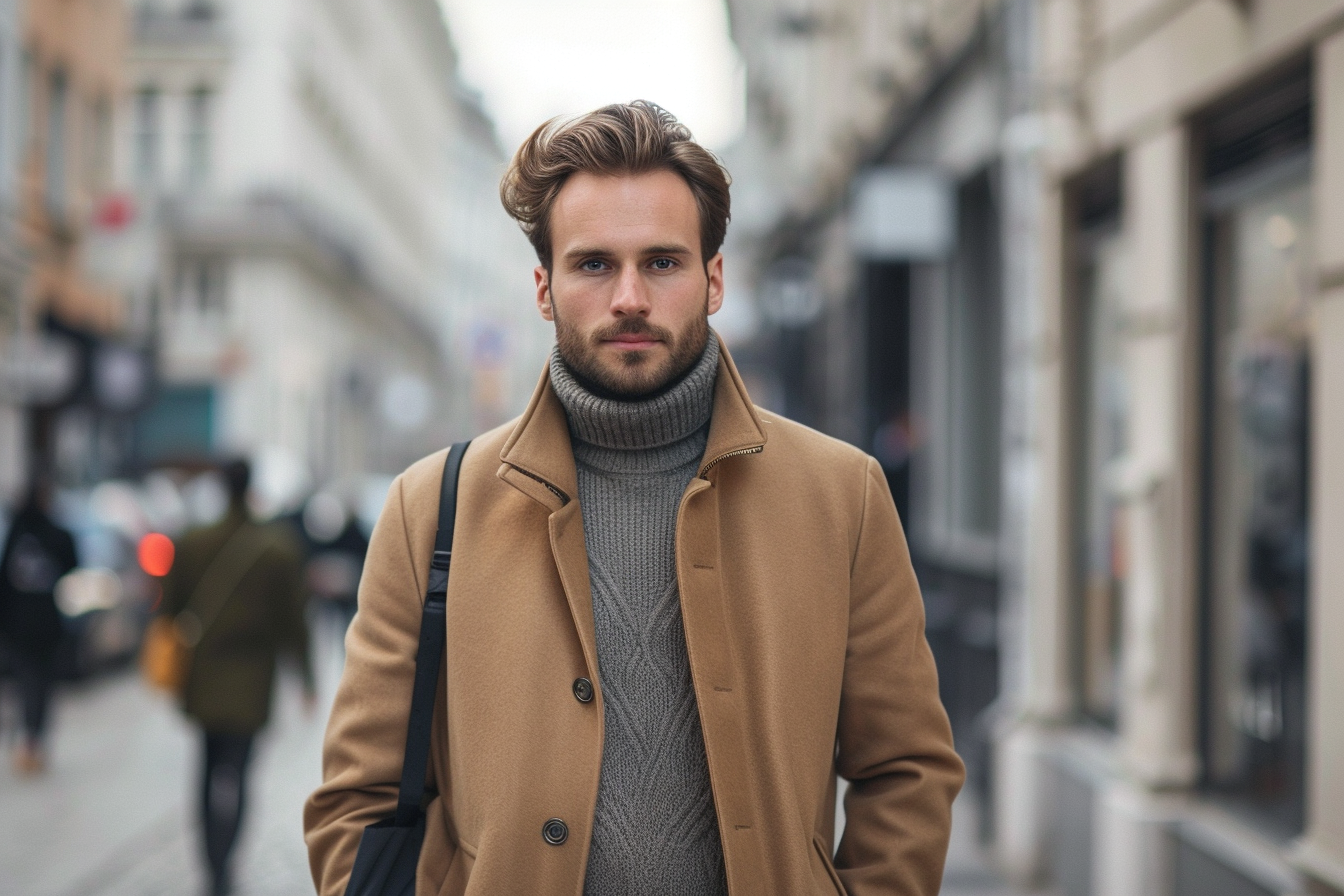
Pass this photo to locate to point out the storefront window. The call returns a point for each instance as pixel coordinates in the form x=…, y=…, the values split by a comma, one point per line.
x=1099, y=434
x=1256, y=494
x=957, y=390
x=1102, y=566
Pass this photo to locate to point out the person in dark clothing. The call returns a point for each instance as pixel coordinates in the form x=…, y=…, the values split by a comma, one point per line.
x=37, y=552
x=337, y=547
x=236, y=588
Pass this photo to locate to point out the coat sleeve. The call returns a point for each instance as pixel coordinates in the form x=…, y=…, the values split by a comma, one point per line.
x=366, y=733
x=895, y=743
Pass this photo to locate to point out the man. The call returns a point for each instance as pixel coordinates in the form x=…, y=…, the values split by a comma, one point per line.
x=237, y=588
x=37, y=552
x=673, y=617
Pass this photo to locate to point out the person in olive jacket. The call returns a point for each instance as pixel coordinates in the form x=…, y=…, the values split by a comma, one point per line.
x=237, y=588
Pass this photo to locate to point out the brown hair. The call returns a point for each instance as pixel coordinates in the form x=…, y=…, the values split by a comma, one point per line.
x=625, y=138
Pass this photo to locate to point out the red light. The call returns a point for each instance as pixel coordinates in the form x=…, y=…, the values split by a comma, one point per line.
x=156, y=554
x=114, y=212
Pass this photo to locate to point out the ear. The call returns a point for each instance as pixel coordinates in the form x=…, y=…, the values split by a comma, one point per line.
x=714, y=271
x=543, y=293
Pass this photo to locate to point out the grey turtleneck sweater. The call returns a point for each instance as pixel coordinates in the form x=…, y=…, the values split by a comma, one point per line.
x=655, y=831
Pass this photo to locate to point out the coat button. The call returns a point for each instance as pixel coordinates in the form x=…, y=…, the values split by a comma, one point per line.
x=583, y=690
x=555, y=832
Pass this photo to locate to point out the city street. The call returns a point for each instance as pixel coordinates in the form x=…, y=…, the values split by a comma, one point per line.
x=113, y=817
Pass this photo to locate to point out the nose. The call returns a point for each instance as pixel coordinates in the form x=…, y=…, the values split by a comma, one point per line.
x=631, y=298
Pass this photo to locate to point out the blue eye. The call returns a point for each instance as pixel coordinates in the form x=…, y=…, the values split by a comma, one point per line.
x=592, y=265
x=663, y=264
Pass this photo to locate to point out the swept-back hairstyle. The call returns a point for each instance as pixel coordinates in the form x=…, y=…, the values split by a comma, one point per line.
x=625, y=138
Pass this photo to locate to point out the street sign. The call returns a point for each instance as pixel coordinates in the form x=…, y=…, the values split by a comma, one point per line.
x=122, y=248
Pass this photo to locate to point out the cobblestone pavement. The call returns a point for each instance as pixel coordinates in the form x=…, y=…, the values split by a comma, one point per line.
x=113, y=816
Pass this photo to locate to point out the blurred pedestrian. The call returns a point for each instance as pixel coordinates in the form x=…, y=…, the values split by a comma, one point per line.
x=236, y=588
x=38, y=551
x=336, y=546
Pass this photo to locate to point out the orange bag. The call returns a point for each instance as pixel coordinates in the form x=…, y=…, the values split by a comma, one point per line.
x=165, y=655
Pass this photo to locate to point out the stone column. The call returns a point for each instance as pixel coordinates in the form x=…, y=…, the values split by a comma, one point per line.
x=1036, y=691
x=1157, y=710
x=1320, y=852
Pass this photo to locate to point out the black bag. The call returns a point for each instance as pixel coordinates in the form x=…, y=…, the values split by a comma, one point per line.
x=389, y=850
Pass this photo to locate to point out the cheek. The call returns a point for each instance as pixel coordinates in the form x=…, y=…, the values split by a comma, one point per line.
x=685, y=300
x=578, y=304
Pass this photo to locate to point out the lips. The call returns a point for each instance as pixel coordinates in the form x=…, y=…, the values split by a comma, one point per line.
x=632, y=341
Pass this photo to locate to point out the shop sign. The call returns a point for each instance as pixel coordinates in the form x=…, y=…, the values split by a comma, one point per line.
x=903, y=213
x=39, y=369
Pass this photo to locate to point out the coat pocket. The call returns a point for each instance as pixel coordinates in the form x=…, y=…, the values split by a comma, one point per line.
x=822, y=859
x=459, y=870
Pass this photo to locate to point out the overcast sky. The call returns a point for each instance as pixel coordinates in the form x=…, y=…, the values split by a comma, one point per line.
x=533, y=59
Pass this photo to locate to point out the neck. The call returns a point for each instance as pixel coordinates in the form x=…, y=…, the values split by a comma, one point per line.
x=661, y=419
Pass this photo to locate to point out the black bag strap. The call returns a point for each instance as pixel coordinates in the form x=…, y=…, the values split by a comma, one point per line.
x=429, y=655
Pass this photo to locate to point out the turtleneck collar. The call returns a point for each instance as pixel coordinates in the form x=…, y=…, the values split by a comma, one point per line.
x=641, y=424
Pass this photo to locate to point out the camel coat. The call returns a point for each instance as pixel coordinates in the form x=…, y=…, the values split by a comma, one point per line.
x=805, y=630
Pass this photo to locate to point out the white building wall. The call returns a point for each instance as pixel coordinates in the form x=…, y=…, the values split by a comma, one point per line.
x=497, y=340
x=325, y=206
x=253, y=117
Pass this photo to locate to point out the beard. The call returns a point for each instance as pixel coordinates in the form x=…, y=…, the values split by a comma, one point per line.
x=635, y=374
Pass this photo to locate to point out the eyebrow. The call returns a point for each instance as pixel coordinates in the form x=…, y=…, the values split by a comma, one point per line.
x=589, y=251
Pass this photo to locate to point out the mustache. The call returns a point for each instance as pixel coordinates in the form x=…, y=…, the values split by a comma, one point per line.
x=633, y=326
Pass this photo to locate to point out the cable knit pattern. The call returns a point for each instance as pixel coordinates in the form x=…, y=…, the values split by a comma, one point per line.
x=655, y=830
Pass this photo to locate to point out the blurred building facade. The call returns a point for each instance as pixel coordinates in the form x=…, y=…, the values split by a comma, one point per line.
x=498, y=342
x=12, y=260
x=62, y=329
x=246, y=227
x=1188, y=486
x=1071, y=269
x=891, y=337
x=283, y=187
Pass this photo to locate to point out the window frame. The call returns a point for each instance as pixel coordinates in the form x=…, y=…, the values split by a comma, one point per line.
x=1093, y=212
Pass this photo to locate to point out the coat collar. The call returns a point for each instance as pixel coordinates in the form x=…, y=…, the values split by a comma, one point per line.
x=540, y=449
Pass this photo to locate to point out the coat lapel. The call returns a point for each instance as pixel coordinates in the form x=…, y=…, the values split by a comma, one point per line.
x=540, y=450
x=734, y=425
x=538, y=460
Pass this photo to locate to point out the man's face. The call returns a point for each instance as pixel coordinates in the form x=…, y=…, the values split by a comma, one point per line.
x=628, y=291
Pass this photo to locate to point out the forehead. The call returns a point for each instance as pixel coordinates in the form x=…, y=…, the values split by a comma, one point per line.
x=624, y=209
